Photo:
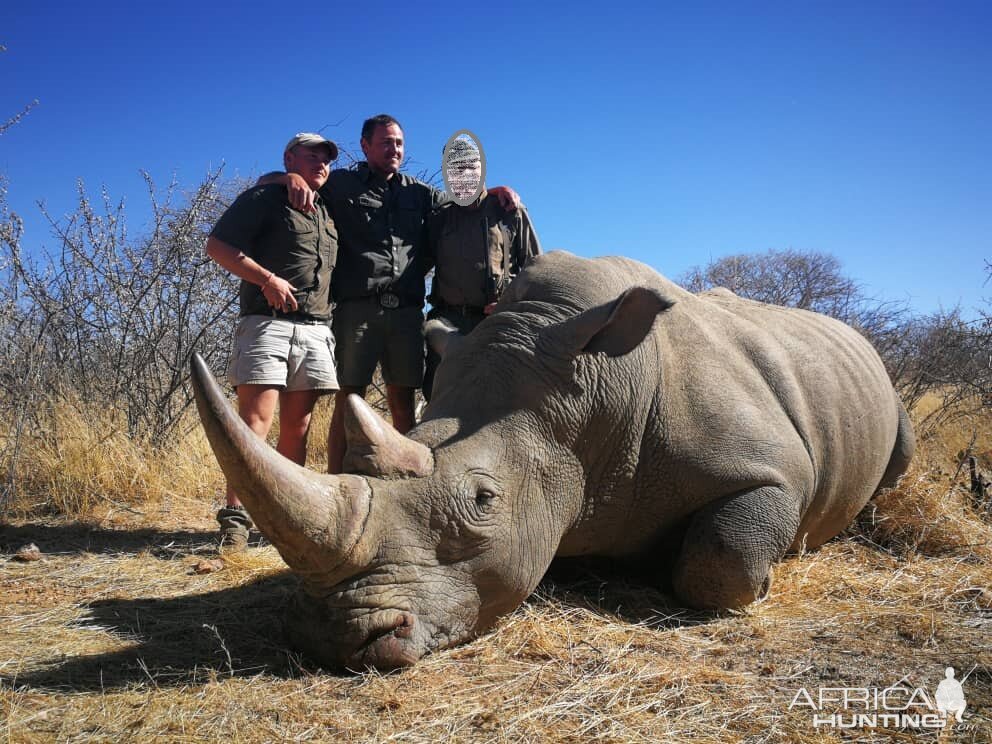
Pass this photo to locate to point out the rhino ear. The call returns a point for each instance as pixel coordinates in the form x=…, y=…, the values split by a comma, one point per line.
x=440, y=336
x=375, y=448
x=615, y=328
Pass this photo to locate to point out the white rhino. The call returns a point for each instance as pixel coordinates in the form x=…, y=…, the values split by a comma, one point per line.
x=601, y=410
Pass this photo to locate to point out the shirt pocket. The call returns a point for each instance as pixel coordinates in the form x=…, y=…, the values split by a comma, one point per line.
x=299, y=224
x=365, y=208
x=408, y=218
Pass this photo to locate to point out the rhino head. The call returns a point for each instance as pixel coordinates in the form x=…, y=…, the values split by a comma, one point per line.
x=429, y=538
x=418, y=552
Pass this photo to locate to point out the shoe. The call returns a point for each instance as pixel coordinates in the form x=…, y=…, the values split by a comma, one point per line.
x=235, y=525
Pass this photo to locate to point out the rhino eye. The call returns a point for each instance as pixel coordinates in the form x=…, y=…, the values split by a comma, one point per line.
x=485, y=499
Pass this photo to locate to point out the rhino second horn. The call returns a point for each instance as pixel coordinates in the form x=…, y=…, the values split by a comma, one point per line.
x=375, y=448
x=313, y=519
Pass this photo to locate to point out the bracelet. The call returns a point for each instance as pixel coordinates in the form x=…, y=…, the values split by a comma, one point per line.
x=267, y=280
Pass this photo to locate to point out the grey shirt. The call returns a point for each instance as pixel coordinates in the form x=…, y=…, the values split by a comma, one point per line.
x=477, y=250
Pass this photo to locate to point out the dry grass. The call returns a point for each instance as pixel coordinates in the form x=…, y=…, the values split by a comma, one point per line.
x=83, y=461
x=83, y=464
x=114, y=637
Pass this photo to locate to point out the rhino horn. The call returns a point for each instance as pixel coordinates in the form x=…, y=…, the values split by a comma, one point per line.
x=313, y=519
x=375, y=448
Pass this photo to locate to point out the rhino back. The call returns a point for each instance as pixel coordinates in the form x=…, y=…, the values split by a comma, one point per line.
x=724, y=395
x=819, y=380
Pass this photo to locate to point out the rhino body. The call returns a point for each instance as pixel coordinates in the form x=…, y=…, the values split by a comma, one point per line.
x=601, y=410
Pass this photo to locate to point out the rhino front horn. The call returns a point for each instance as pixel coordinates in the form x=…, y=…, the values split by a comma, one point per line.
x=375, y=448
x=313, y=519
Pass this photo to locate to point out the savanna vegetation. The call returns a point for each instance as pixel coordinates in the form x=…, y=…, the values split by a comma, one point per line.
x=120, y=621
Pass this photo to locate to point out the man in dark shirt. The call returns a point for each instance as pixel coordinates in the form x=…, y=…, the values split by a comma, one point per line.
x=283, y=349
x=379, y=288
x=478, y=247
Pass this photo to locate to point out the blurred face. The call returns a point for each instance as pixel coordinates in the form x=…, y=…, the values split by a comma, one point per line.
x=465, y=181
x=384, y=151
x=312, y=163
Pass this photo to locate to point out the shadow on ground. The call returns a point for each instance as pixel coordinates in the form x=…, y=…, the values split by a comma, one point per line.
x=237, y=631
x=234, y=632
x=76, y=537
x=616, y=590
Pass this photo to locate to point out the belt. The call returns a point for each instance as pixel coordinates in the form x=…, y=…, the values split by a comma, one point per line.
x=295, y=317
x=385, y=299
x=466, y=310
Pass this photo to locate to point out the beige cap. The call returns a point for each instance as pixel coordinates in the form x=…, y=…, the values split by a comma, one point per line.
x=310, y=139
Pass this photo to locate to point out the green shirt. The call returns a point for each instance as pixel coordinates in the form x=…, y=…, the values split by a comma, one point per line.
x=477, y=250
x=382, y=227
x=300, y=248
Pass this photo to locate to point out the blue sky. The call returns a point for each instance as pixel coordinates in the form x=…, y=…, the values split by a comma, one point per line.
x=674, y=133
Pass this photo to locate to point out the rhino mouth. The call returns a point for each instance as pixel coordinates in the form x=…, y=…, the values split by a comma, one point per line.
x=390, y=645
x=361, y=638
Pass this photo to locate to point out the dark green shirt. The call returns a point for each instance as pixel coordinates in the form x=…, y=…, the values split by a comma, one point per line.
x=300, y=248
x=477, y=250
x=382, y=229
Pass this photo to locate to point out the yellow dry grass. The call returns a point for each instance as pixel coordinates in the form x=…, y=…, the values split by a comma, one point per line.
x=84, y=462
x=113, y=636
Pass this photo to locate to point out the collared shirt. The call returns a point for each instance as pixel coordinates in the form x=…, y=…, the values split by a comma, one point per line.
x=478, y=249
x=300, y=248
x=382, y=228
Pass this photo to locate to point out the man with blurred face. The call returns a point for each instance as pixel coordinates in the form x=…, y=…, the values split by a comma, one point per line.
x=478, y=247
x=283, y=352
x=379, y=289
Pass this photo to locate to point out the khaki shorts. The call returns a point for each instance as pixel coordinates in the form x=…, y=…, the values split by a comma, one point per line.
x=366, y=333
x=283, y=353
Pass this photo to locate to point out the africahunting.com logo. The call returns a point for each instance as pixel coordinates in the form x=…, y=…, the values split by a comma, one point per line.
x=897, y=706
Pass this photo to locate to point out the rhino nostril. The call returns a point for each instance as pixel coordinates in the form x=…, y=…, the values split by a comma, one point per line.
x=390, y=646
x=404, y=626
x=398, y=626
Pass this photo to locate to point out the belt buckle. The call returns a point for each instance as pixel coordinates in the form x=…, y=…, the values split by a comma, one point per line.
x=389, y=300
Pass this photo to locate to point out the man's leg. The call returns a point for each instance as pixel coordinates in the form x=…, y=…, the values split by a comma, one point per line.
x=403, y=364
x=358, y=338
x=401, y=407
x=256, y=406
x=336, y=441
x=295, y=408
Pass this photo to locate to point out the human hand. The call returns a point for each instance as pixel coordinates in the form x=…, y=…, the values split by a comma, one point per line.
x=508, y=198
x=301, y=196
x=279, y=294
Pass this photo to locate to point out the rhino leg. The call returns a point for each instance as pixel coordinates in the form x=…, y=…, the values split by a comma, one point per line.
x=730, y=545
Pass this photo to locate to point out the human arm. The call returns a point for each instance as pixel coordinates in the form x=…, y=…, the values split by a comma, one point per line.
x=301, y=196
x=523, y=248
x=526, y=245
x=277, y=291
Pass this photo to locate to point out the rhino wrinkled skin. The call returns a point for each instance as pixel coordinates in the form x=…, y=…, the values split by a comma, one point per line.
x=601, y=410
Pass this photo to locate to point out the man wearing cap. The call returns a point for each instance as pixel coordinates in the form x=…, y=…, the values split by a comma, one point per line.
x=478, y=247
x=283, y=350
x=379, y=288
